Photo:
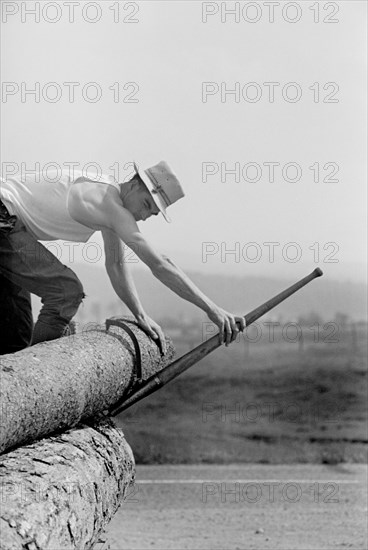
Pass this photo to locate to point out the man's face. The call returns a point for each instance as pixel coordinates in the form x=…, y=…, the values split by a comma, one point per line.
x=138, y=200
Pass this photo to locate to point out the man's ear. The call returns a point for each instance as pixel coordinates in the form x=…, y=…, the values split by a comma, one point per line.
x=138, y=183
x=134, y=183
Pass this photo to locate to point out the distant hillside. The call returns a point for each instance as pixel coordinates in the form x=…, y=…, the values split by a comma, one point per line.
x=323, y=296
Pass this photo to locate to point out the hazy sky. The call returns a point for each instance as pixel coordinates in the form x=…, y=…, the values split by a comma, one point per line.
x=169, y=53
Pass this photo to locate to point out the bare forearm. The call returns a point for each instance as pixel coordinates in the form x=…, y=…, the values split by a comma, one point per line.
x=174, y=278
x=124, y=286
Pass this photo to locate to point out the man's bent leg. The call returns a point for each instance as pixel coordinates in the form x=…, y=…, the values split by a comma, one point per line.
x=28, y=264
x=59, y=308
x=16, y=321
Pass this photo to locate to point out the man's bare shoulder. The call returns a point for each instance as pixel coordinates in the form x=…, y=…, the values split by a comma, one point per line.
x=97, y=205
x=94, y=191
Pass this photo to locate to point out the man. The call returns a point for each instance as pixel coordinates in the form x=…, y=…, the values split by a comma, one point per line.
x=73, y=207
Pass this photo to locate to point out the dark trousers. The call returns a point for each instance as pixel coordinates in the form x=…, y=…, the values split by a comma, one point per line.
x=27, y=267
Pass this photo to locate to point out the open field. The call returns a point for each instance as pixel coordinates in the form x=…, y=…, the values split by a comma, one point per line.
x=235, y=508
x=267, y=403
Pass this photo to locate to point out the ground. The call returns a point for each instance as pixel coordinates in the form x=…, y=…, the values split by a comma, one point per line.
x=273, y=403
x=235, y=508
x=256, y=447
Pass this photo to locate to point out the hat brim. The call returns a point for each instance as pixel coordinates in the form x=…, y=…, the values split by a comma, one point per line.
x=157, y=199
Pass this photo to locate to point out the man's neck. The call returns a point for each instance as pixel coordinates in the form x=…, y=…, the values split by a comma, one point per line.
x=124, y=189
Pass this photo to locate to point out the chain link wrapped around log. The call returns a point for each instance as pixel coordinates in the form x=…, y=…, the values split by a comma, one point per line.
x=61, y=492
x=55, y=385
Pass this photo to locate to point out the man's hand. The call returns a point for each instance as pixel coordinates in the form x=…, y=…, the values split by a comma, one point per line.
x=226, y=322
x=153, y=330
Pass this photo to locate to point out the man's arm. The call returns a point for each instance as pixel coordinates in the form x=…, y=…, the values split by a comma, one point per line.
x=122, y=223
x=122, y=282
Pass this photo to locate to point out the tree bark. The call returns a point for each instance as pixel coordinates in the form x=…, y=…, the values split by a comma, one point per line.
x=60, y=492
x=54, y=385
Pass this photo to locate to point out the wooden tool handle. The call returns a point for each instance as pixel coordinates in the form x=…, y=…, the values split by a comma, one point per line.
x=186, y=361
x=270, y=304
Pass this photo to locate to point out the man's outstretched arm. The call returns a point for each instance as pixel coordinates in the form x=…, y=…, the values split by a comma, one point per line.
x=122, y=282
x=174, y=278
x=122, y=223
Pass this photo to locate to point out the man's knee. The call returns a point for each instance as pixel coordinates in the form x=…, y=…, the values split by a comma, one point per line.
x=73, y=296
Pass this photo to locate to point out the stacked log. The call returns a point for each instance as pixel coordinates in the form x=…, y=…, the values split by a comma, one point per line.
x=61, y=491
x=55, y=385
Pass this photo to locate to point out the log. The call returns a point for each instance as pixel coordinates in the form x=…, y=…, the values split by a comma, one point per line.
x=54, y=385
x=59, y=493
